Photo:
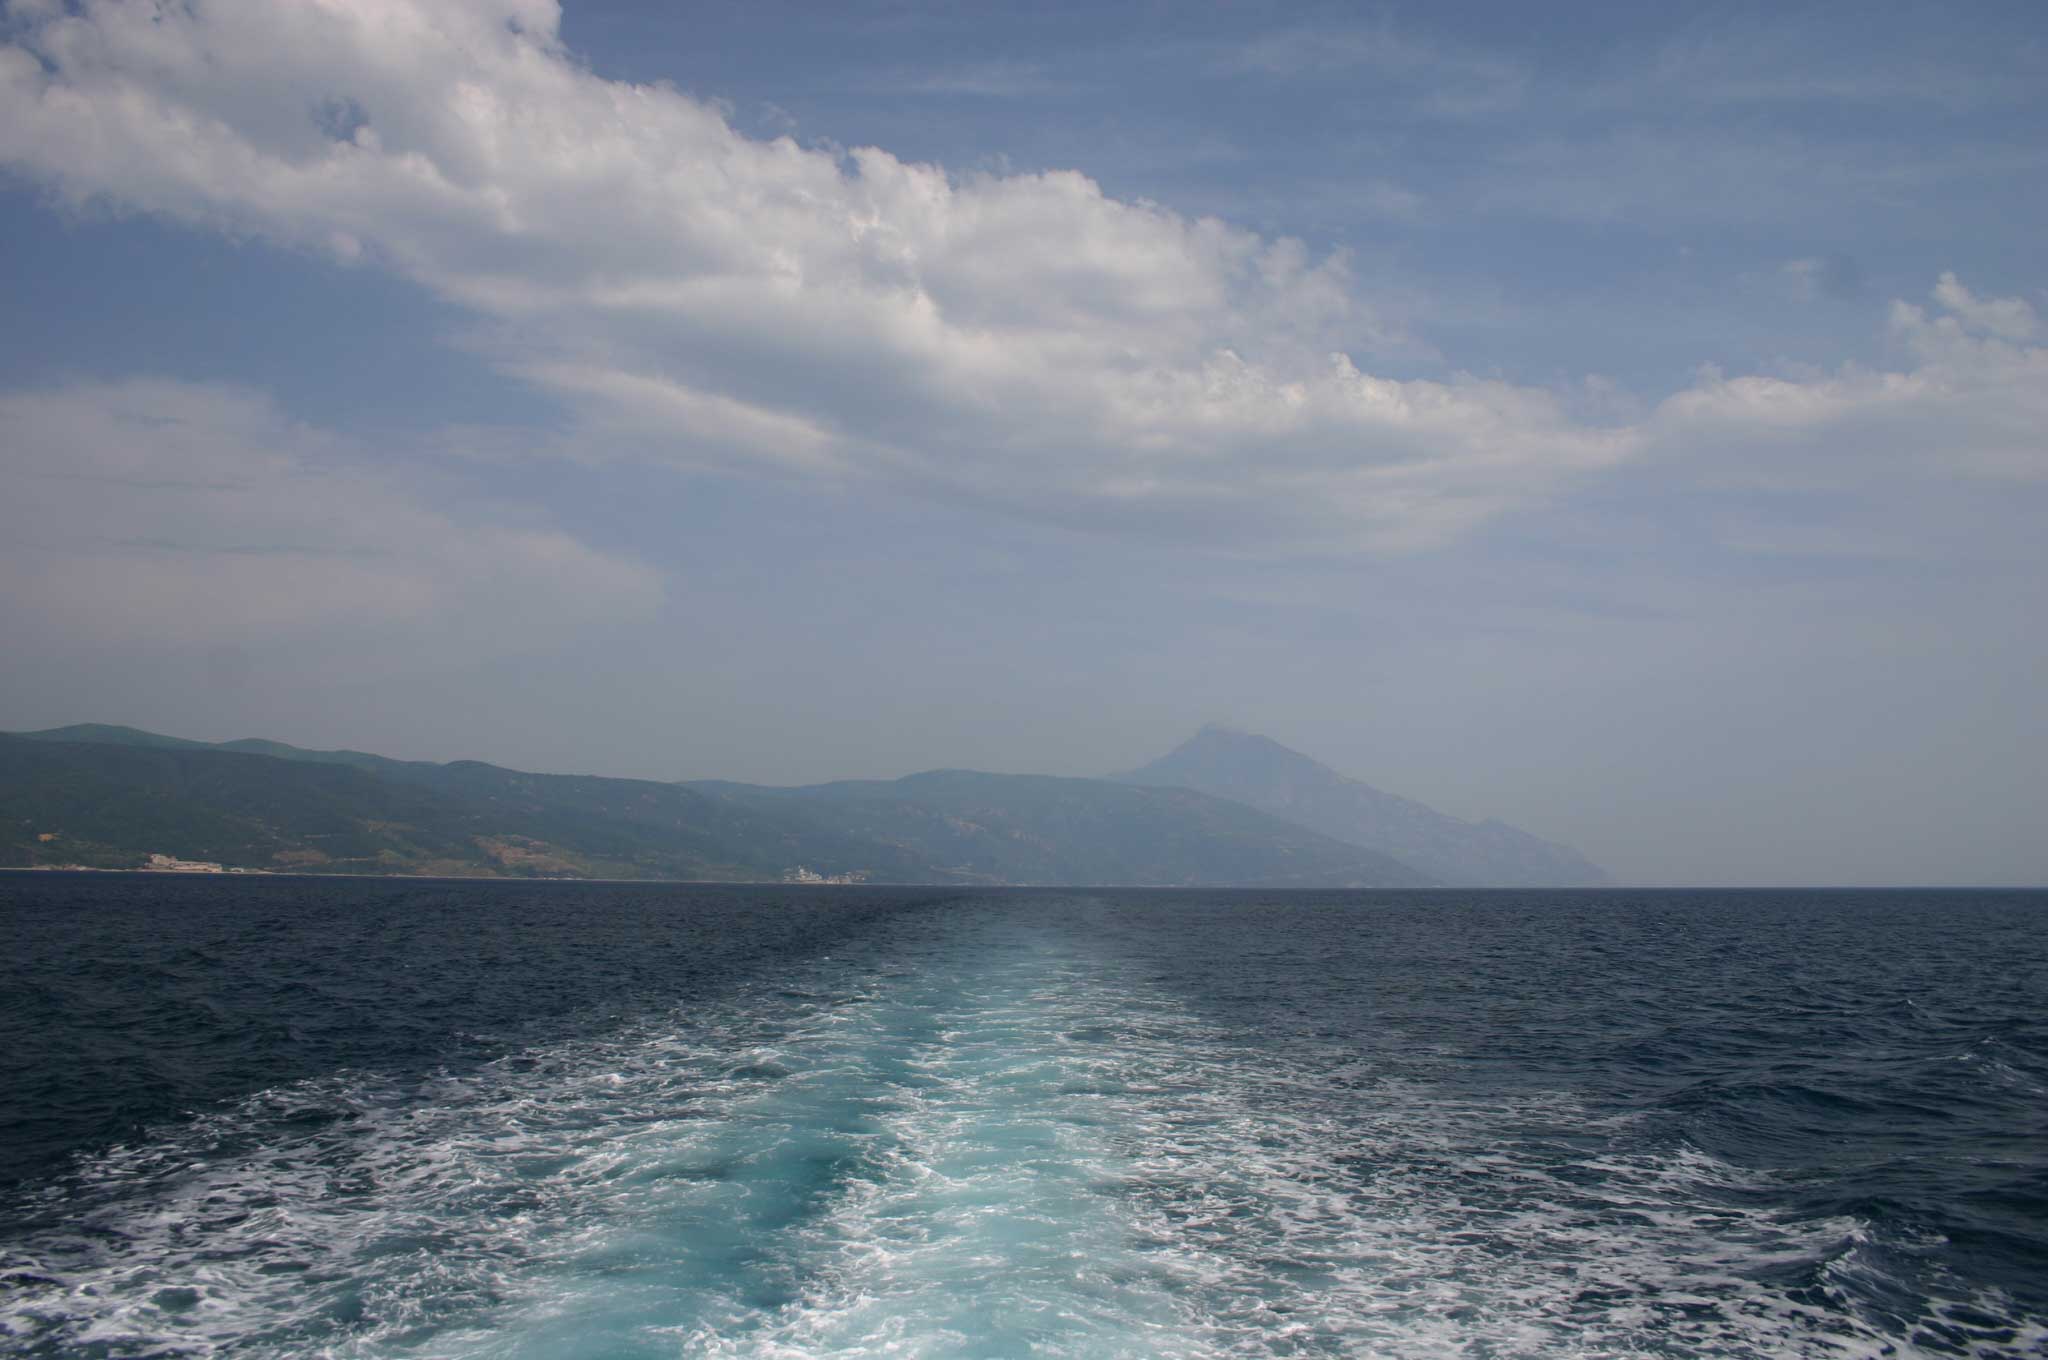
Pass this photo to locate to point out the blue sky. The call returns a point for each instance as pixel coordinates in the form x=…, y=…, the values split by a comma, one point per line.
x=1628, y=423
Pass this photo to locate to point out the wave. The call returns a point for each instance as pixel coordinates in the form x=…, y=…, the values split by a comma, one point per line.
x=976, y=1134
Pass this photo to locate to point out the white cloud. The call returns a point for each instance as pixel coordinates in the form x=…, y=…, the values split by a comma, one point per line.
x=1022, y=341
x=1973, y=403
x=2006, y=318
x=151, y=512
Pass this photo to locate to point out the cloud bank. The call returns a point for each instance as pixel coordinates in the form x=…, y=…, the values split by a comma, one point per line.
x=1971, y=403
x=154, y=513
x=1022, y=342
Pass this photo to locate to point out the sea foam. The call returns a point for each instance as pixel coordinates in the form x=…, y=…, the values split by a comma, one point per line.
x=986, y=1134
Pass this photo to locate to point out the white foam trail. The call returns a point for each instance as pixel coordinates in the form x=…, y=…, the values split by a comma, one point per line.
x=1096, y=1171
x=404, y=1219
x=998, y=1226
x=993, y=1139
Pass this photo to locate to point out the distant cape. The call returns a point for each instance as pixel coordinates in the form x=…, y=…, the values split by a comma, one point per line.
x=1261, y=773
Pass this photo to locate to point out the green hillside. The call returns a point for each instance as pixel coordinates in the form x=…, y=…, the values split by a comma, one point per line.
x=107, y=804
x=110, y=806
x=109, y=797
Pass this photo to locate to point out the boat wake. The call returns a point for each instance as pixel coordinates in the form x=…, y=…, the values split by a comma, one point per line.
x=982, y=1136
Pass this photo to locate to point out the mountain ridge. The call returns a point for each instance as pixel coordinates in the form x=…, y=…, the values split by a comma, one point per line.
x=1259, y=772
x=107, y=796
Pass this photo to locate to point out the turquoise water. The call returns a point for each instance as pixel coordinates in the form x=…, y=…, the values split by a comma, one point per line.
x=1089, y=1126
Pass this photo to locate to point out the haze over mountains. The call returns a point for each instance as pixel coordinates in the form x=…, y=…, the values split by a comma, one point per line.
x=1262, y=773
x=109, y=797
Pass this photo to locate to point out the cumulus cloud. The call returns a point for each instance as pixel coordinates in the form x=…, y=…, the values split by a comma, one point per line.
x=1025, y=341
x=153, y=512
x=1973, y=402
x=2006, y=318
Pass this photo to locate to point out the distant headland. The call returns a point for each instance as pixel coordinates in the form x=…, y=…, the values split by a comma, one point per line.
x=1225, y=809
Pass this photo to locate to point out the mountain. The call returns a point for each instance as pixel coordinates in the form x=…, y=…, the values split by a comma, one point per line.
x=109, y=803
x=110, y=796
x=1262, y=773
x=1037, y=829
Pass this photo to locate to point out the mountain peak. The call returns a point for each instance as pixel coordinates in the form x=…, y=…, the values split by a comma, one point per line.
x=1224, y=755
x=1229, y=762
x=1223, y=731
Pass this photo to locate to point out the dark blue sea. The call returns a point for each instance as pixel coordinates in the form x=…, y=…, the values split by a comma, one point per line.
x=295, y=1117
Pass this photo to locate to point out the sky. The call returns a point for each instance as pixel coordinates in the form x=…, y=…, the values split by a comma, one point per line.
x=1630, y=422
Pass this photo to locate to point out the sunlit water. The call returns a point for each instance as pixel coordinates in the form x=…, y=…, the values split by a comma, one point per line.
x=921, y=1124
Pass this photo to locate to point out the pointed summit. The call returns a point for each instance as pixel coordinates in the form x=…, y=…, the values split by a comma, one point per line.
x=1232, y=763
x=1248, y=768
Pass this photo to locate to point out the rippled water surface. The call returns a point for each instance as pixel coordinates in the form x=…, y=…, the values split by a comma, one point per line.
x=301, y=1117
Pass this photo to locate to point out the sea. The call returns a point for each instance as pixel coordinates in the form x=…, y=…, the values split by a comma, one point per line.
x=285, y=1116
